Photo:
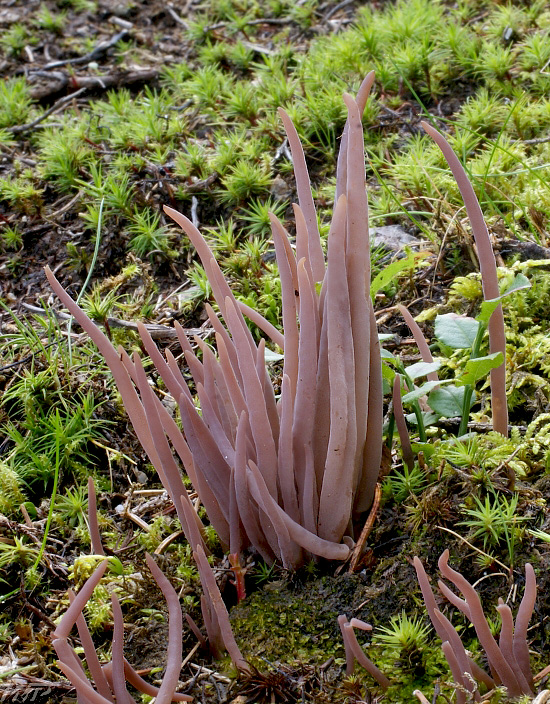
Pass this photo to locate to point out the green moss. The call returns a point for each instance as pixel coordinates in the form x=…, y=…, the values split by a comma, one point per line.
x=299, y=620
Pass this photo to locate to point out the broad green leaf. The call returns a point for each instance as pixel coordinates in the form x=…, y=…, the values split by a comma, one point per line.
x=448, y=401
x=384, y=277
x=387, y=372
x=426, y=448
x=387, y=355
x=31, y=509
x=456, y=331
x=479, y=367
x=487, y=307
x=428, y=417
x=422, y=390
x=383, y=336
x=520, y=281
x=115, y=565
x=422, y=369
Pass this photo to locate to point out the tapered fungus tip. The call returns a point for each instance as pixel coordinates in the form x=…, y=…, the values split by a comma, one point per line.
x=362, y=625
x=427, y=127
x=176, y=216
x=444, y=559
x=169, y=211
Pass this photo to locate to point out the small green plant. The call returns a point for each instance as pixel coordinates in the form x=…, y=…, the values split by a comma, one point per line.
x=243, y=102
x=263, y=572
x=495, y=522
x=406, y=638
x=256, y=215
x=461, y=332
x=159, y=528
x=11, y=238
x=99, y=305
x=64, y=156
x=11, y=489
x=71, y=423
x=149, y=236
x=243, y=181
x=72, y=507
x=407, y=482
x=14, y=40
x=15, y=101
x=451, y=398
x=19, y=551
x=45, y=19
x=224, y=238
x=22, y=194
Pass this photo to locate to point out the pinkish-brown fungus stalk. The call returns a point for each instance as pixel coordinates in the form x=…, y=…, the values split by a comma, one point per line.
x=354, y=652
x=110, y=679
x=488, y=268
x=401, y=423
x=286, y=477
x=508, y=659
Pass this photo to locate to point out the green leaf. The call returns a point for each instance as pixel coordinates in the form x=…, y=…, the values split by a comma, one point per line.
x=387, y=355
x=387, y=372
x=383, y=336
x=422, y=369
x=479, y=367
x=116, y=566
x=487, y=307
x=428, y=418
x=541, y=535
x=448, y=401
x=520, y=281
x=384, y=277
x=31, y=509
x=422, y=390
x=456, y=331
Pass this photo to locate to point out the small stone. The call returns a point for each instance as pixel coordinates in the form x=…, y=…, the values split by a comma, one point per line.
x=392, y=237
x=9, y=17
x=280, y=189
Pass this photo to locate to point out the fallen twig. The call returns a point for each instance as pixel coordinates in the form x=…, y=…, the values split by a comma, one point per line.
x=261, y=20
x=17, y=129
x=63, y=80
x=90, y=56
x=157, y=332
x=337, y=8
x=177, y=19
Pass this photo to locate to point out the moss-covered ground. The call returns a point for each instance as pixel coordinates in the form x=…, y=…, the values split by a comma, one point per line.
x=134, y=104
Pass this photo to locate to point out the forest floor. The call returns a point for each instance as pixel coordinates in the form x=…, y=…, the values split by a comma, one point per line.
x=110, y=110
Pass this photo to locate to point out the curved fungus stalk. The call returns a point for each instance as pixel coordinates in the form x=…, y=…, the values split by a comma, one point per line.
x=508, y=659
